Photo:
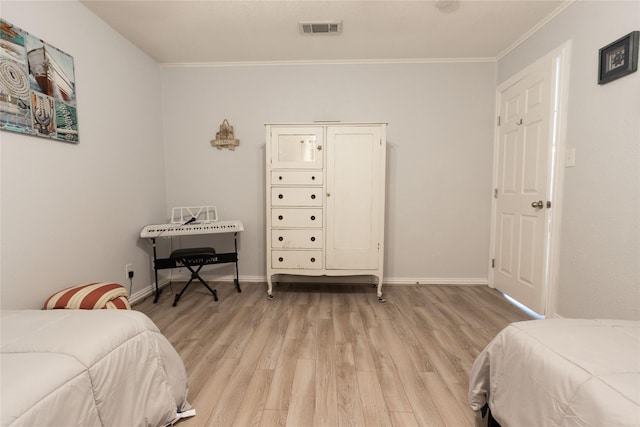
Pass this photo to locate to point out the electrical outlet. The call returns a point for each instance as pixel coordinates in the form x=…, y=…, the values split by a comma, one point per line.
x=127, y=269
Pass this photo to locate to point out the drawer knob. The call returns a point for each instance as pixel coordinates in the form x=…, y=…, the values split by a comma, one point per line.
x=313, y=217
x=313, y=239
x=281, y=238
x=280, y=178
x=313, y=260
x=280, y=259
x=280, y=196
x=313, y=196
x=280, y=217
x=313, y=178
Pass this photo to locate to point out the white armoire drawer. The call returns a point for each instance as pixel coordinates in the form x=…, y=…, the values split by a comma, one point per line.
x=296, y=178
x=296, y=196
x=311, y=260
x=296, y=218
x=297, y=239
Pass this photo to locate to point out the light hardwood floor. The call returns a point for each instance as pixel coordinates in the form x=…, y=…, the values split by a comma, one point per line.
x=330, y=355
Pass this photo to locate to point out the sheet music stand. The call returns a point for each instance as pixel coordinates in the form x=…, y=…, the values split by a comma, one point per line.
x=205, y=214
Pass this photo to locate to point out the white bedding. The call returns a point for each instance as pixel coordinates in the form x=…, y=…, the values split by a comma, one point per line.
x=88, y=368
x=561, y=373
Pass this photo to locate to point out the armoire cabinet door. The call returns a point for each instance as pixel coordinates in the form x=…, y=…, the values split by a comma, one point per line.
x=297, y=148
x=354, y=196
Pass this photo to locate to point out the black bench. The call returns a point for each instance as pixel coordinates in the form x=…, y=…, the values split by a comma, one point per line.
x=194, y=259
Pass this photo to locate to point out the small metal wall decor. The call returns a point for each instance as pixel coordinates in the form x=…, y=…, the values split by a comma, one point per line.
x=37, y=87
x=619, y=58
x=225, y=138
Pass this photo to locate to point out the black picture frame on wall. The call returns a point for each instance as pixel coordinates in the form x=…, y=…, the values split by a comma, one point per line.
x=619, y=58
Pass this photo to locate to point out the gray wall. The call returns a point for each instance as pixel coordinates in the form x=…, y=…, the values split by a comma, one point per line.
x=440, y=142
x=72, y=214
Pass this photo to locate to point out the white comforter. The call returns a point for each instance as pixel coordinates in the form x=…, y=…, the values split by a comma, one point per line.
x=561, y=373
x=88, y=368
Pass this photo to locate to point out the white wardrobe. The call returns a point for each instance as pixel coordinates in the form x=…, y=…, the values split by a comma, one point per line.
x=325, y=200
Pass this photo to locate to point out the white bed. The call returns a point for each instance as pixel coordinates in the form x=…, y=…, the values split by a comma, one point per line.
x=560, y=372
x=88, y=368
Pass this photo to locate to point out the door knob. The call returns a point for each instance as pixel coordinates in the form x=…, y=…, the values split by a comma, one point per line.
x=537, y=205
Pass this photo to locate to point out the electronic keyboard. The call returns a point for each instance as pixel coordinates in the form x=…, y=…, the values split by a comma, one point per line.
x=168, y=230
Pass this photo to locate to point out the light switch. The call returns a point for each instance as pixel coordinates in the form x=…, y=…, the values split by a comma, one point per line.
x=570, y=158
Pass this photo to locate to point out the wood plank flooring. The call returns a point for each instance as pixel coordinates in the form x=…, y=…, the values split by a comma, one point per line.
x=330, y=355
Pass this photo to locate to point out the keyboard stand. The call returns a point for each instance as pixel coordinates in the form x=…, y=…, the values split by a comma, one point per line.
x=206, y=256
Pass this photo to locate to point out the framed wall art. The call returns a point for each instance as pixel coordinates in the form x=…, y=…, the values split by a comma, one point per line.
x=37, y=87
x=619, y=58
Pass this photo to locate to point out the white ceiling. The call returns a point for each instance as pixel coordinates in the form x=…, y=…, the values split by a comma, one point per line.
x=214, y=31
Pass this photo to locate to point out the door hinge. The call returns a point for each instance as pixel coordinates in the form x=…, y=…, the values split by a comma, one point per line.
x=498, y=120
x=495, y=193
x=493, y=263
x=548, y=204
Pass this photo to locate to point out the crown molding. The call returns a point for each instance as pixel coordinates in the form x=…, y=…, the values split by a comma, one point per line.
x=325, y=62
x=536, y=28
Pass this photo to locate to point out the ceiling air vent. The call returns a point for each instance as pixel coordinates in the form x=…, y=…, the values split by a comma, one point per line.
x=325, y=27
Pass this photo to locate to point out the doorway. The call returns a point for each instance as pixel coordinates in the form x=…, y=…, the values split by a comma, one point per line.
x=528, y=174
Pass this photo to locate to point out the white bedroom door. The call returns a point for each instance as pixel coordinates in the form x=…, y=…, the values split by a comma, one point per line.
x=523, y=187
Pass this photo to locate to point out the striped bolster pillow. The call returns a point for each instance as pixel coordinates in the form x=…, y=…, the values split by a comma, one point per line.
x=90, y=296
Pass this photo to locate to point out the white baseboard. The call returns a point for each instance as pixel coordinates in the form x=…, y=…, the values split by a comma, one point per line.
x=449, y=281
x=150, y=290
x=143, y=293
x=389, y=281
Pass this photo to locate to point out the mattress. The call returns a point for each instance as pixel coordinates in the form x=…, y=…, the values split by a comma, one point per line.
x=88, y=368
x=561, y=372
